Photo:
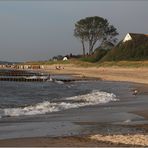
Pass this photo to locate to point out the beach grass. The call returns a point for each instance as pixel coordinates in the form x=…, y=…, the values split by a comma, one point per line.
x=126, y=64
x=80, y=63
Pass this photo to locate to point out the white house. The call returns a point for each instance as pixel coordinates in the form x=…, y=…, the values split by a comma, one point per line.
x=65, y=59
x=127, y=37
x=131, y=36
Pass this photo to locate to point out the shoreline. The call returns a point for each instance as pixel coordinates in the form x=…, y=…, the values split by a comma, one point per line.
x=95, y=140
x=91, y=140
x=136, y=75
x=138, y=139
x=114, y=73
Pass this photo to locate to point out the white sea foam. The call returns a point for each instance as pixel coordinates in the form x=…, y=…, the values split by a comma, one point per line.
x=94, y=98
x=127, y=121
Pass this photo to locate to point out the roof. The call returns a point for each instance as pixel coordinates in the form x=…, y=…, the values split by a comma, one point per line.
x=139, y=37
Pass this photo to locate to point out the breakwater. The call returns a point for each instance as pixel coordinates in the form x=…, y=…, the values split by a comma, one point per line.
x=32, y=76
x=11, y=72
x=22, y=75
x=21, y=79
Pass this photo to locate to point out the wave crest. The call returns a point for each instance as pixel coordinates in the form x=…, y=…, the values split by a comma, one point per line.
x=94, y=98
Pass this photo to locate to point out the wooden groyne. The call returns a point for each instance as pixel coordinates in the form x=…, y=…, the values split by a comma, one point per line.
x=22, y=75
x=19, y=79
x=76, y=79
x=18, y=73
x=28, y=76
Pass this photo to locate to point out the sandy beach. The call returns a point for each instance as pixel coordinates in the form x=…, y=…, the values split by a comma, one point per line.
x=137, y=75
x=100, y=140
x=89, y=141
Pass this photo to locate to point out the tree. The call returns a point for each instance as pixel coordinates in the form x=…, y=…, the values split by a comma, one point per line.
x=94, y=29
x=80, y=34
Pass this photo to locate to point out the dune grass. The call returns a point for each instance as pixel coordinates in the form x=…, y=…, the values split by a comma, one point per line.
x=80, y=63
x=77, y=62
x=130, y=64
x=47, y=62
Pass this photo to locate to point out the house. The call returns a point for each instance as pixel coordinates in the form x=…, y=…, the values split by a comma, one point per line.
x=65, y=59
x=135, y=36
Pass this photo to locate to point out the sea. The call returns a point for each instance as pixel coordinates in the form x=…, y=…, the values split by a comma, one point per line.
x=51, y=109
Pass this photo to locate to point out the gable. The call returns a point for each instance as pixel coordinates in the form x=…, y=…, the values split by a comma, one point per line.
x=127, y=38
x=136, y=37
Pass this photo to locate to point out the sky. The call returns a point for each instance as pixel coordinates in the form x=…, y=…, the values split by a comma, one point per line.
x=39, y=30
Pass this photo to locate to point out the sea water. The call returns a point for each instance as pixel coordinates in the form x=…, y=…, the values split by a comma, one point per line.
x=32, y=98
x=35, y=109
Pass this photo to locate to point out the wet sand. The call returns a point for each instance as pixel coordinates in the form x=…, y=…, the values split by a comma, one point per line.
x=139, y=137
x=89, y=141
x=143, y=113
x=93, y=140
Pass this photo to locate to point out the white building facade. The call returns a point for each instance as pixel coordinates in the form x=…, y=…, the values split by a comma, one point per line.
x=127, y=38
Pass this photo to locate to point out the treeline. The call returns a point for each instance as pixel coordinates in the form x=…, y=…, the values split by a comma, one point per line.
x=130, y=50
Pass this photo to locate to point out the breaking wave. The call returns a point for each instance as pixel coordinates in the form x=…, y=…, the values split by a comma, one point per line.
x=93, y=98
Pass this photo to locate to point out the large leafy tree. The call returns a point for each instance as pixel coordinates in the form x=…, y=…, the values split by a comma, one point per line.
x=92, y=30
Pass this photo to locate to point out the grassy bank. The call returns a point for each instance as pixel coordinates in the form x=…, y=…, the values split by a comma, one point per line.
x=80, y=63
x=125, y=64
x=76, y=62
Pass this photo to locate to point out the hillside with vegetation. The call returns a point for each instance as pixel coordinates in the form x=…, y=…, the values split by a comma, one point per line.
x=136, y=49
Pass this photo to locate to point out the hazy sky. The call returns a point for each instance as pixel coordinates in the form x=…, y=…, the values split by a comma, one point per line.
x=38, y=30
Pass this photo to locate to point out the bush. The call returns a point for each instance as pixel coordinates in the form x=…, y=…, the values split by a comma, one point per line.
x=129, y=50
x=98, y=55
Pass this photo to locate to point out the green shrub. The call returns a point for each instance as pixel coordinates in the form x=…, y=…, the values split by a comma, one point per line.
x=129, y=50
x=98, y=55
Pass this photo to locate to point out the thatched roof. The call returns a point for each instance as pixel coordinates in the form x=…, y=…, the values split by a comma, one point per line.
x=137, y=36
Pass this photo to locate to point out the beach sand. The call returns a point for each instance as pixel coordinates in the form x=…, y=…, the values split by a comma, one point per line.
x=89, y=141
x=138, y=75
